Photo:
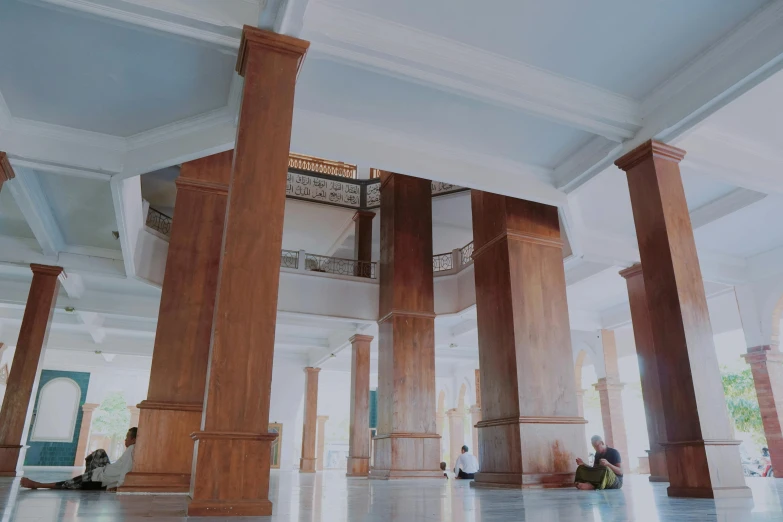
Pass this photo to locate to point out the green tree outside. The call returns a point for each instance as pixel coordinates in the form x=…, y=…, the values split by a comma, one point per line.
x=112, y=417
x=743, y=404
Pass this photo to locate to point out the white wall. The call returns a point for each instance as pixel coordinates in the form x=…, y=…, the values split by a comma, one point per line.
x=286, y=407
x=334, y=400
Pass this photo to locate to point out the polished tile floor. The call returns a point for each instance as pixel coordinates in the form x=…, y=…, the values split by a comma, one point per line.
x=329, y=496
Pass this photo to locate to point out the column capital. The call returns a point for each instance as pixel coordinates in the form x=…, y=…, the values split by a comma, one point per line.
x=46, y=269
x=255, y=37
x=608, y=383
x=762, y=355
x=647, y=150
x=311, y=369
x=363, y=214
x=6, y=170
x=198, y=185
x=323, y=418
x=88, y=406
x=360, y=338
x=454, y=412
x=631, y=271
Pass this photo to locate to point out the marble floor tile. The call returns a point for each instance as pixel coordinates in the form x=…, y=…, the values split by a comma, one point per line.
x=330, y=496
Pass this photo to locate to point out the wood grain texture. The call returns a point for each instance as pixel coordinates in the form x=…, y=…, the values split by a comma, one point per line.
x=407, y=444
x=648, y=370
x=362, y=249
x=232, y=474
x=6, y=170
x=766, y=365
x=359, y=433
x=530, y=434
x=689, y=378
x=307, y=463
x=179, y=359
x=24, y=368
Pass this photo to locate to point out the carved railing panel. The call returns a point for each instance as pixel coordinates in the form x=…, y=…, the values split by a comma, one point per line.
x=466, y=254
x=442, y=262
x=159, y=221
x=321, y=166
x=289, y=259
x=339, y=266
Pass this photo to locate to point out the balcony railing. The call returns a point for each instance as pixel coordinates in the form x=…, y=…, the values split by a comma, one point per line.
x=289, y=259
x=159, y=221
x=453, y=261
x=321, y=166
x=336, y=265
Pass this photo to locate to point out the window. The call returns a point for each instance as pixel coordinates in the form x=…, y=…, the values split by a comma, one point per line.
x=58, y=407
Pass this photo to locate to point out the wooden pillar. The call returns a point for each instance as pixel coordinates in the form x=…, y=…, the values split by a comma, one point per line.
x=475, y=418
x=84, y=433
x=362, y=248
x=320, y=442
x=307, y=463
x=232, y=450
x=702, y=456
x=648, y=370
x=407, y=444
x=456, y=433
x=163, y=457
x=6, y=171
x=359, y=433
x=29, y=349
x=531, y=432
x=610, y=395
x=766, y=365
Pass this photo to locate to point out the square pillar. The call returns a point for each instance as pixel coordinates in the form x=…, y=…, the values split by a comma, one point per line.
x=84, y=433
x=359, y=433
x=701, y=454
x=766, y=365
x=610, y=395
x=307, y=463
x=6, y=171
x=407, y=444
x=233, y=446
x=163, y=457
x=648, y=370
x=530, y=433
x=24, y=368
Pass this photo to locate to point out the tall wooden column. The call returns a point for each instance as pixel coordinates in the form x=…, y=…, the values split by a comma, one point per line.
x=359, y=434
x=29, y=348
x=530, y=433
x=6, y=171
x=648, y=369
x=307, y=463
x=610, y=394
x=766, y=366
x=407, y=444
x=232, y=450
x=456, y=433
x=362, y=249
x=702, y=456
x=163, y=457
x=320, y=442
x=84, y=433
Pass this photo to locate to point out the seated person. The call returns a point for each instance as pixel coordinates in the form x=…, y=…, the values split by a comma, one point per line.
x=443, y=469
x=466, y=466
x=606, y=472
x=99, y=472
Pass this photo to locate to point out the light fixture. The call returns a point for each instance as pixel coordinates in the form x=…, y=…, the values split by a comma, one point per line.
x=115, y=234
x=70, y=309
x=453, y=345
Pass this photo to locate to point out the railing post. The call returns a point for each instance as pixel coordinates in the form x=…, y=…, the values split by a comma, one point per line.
x=456, y=259
x=301, y=264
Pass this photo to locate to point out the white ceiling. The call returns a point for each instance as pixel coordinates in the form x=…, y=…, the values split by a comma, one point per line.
x=747, y=232
x=12, y=222
x=625, y=47
x=77, y=70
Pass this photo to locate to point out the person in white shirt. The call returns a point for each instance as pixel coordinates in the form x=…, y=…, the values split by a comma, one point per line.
x=466, y=466
x=99, y=473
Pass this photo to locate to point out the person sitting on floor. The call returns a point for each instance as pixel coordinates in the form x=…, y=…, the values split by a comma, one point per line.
x=607, y=469
x=466, y=466
x=99, y=473
x=443, y=469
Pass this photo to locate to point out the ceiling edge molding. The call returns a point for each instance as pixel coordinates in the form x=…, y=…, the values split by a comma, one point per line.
x=99, y=8
x=34, y=205
x=447, y=64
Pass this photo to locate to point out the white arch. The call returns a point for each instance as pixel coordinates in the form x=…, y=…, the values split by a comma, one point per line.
x=58, y=408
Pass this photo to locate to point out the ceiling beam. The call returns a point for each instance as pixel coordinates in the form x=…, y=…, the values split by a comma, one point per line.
x=32, y=201
x=367, y=41
x=748, y=55
x=723, y=206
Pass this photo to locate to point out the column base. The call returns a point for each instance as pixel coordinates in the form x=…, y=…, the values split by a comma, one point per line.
x=705, y=469
x=523, y=480
x=658, y=466
x=231, y=474
x=138, y=482
x=163, y=458
x=407, y=455
x=358, y=467
x=658, y=478
x=307, y=465
x=9, y=459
